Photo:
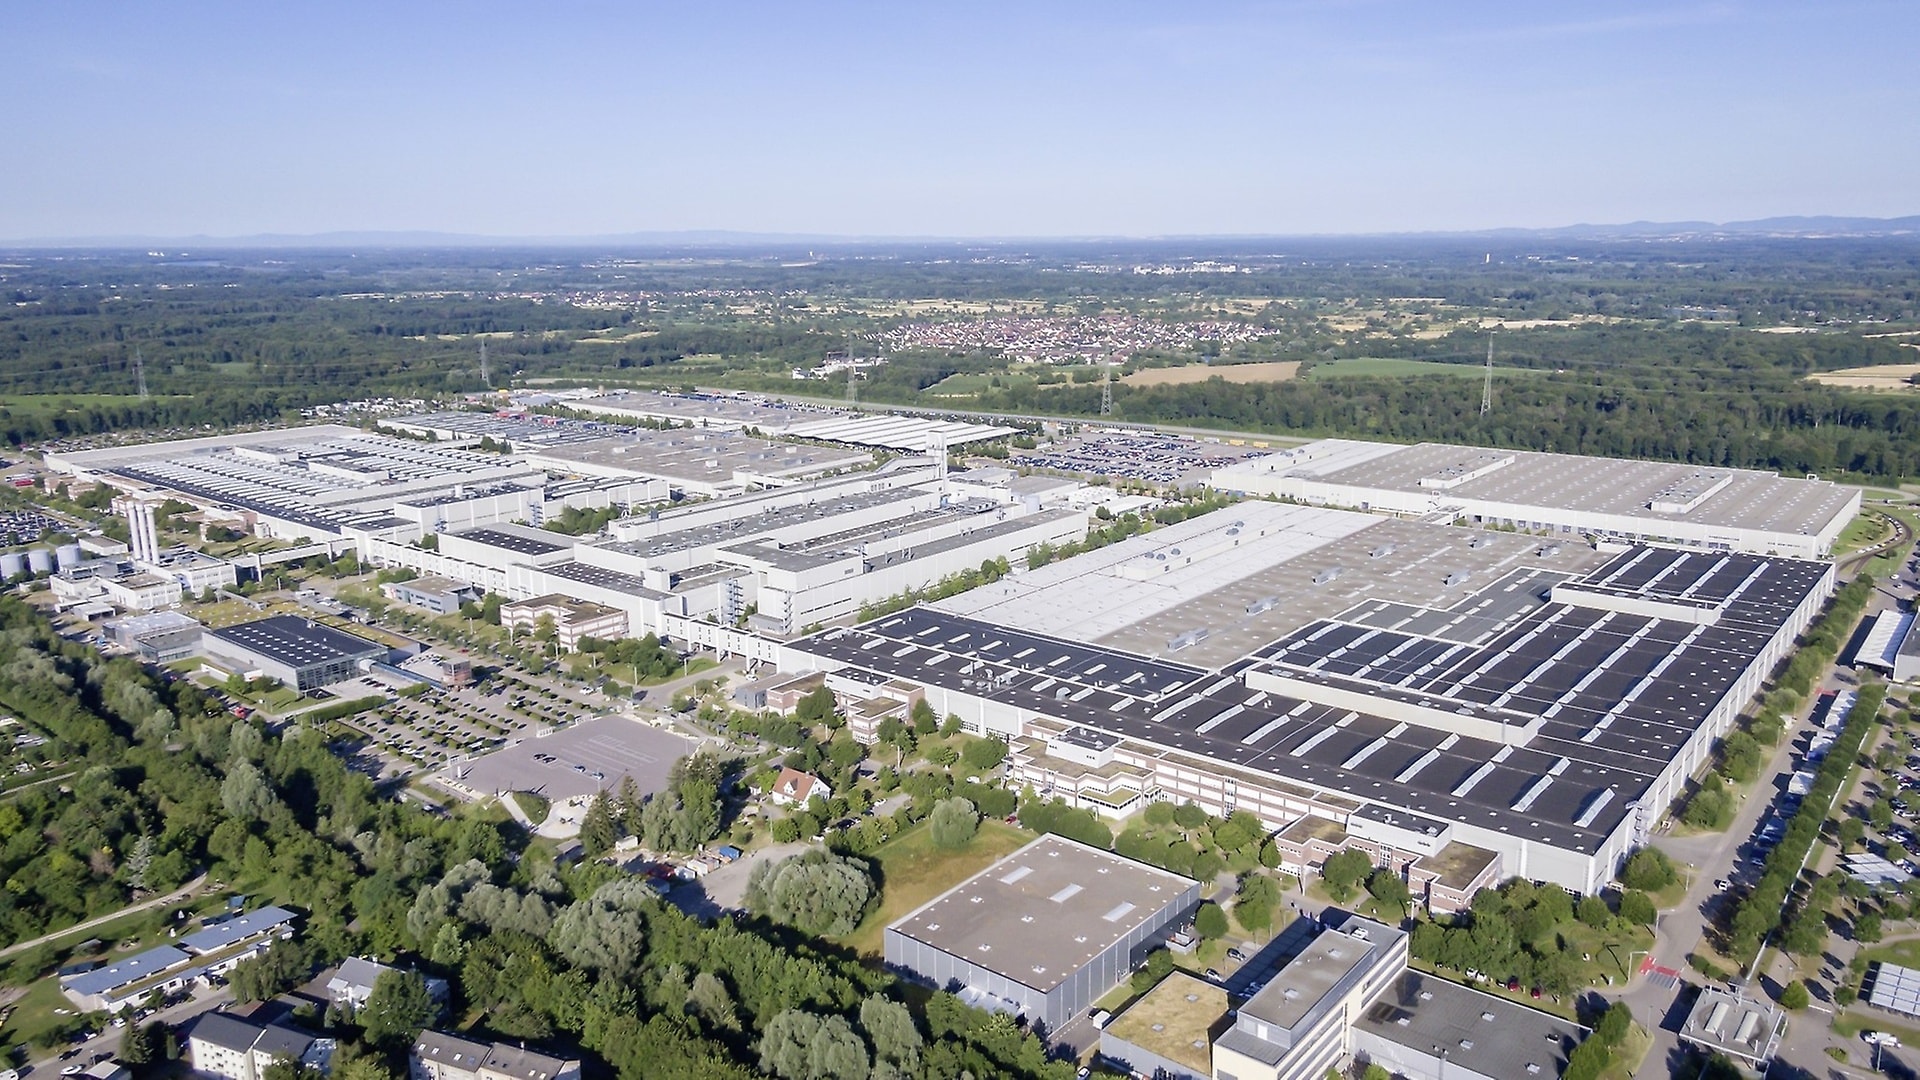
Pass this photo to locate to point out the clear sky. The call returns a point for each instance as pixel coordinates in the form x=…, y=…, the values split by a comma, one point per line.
x=961, y=119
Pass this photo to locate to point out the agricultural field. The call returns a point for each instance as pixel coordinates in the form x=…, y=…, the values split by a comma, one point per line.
x=1877, y=377
x=1394, y=368
x=1267, y=371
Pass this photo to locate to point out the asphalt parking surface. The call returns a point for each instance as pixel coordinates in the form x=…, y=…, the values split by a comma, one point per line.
x=585, y=758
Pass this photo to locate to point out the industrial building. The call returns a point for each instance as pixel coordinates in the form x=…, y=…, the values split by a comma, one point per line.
x=1891, y=645
x=573, y=620
x=298, y=652
x=1743, y=1028
x=1463, y=704
x=158, y=638
x=328, y=482
x=1710, y=507
x=799, y=555
x=1044, y=932
x=1344, y=995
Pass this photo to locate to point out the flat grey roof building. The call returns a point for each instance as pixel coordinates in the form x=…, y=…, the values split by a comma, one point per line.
x=1045, y=930
x=1480, y=1034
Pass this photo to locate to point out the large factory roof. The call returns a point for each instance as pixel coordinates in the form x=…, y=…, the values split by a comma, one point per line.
x=1043, y=912
x=1708, y=495
x=710, y=457
x=705, y=410
x=296, y=642
x=1608, y=696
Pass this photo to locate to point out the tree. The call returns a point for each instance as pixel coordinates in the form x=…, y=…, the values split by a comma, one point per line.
x=1189, y=815
x=1866, y=929
x=1344, y=871
x=1253, y=905
x=1649, y=870
x=815, y=707
x=397, y=1009
x=606, y=932
x=1852, y=830
x=1388, y=888
x=890, y=1027
x=925, y=722
x=1593, y=912
x=817, y=892
x=984, y=754
x=953, y=823
x=1637, y=907
x=1158, y=966
x=597, y=830
x=1794, y=996
x=708, y=996
x=1209, y=921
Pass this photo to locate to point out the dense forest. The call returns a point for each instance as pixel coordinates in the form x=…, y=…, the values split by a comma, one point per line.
x=1671, y=364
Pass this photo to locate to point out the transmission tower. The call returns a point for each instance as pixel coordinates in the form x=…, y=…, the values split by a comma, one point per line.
x=853, y=374
x=140, y=371
x=1106, y=388
x=485, y=379
x=1486, y=388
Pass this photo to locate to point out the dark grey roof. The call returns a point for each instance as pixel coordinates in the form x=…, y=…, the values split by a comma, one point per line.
x=524, y=1064
x=278, y=1041
x=236, y=929
x=296, y=641
x=1489, y=1035
x=221, y=1029
x=438, y=1046
x=1618, y=693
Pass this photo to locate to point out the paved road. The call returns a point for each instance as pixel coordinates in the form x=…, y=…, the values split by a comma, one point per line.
x=1713, y=856
x=181, y=893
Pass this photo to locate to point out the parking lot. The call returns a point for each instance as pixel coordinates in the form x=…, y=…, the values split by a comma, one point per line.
x=1150, y=456
x=575, y=762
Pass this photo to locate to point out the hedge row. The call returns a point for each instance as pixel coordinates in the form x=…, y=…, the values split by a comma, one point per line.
x=1762, y=911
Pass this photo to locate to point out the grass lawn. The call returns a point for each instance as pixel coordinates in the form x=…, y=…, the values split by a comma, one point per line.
x=34, y=1016
x=1372, y=365
x=913, y=871
x=55, y=404
x=1866, y=529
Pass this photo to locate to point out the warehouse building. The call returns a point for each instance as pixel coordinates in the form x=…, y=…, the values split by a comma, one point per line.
x=1715, y=508
x=299, y=652
x=1044, y=932
x=1442, y=698
x=158, y=638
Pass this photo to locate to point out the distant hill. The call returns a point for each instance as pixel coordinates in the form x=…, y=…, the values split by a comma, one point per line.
x=1781, y=227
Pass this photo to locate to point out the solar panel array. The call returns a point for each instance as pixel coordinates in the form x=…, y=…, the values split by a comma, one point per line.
x=1613, y=695
x=1895, y=989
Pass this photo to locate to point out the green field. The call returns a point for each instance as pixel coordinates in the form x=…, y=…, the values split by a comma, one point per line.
x=55, y=404
x=970, y=384
x=913, y=871
x=1392, y=368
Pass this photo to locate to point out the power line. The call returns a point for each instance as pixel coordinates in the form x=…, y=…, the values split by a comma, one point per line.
x=140, y=370
x=1486, y=388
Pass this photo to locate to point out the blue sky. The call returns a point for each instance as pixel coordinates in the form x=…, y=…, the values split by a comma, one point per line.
x=980, y=119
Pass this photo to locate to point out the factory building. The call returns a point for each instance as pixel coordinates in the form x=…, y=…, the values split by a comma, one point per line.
x=299, y=652
x=1321, y=999
x=1719, y=509
x=799, y=555
x=1044, y=932
x=1461, y=704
